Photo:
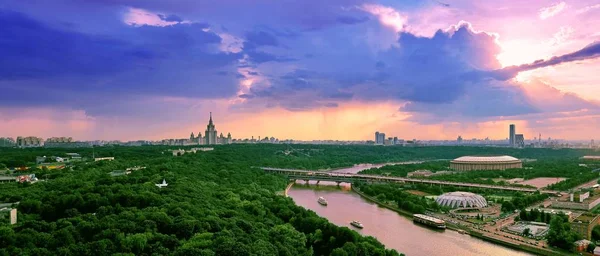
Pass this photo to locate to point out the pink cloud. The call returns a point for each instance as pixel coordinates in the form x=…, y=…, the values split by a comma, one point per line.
x=552, y=10
x=588, y=8
x=140, y=17
x=388, y=16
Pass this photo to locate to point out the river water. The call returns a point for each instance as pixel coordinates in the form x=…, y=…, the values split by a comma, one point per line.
x=392, y=229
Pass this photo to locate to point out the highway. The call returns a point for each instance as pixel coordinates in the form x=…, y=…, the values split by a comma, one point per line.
x=350, y=177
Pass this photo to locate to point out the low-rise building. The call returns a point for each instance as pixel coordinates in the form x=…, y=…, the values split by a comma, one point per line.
x=135, y=168
x=597, y=250
x=7, y=179
x=119, y=173
x=73, y=156
x=420, y=173
x=104, y=159
x=10, y=213
x=582, y=245
x=201, y=149
x=40, y=159
x=178, y=152
x=590, y=157
x=584, y=224
x=576, y=202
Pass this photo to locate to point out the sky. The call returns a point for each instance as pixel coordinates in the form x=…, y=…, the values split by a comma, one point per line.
x=310, y=69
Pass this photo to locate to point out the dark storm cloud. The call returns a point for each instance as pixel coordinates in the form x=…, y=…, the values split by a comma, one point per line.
x=303, y=54
x=170, y=17
x=30, y=50
x=57, y=64
x=260, y=38
x=257, y=39
x=422, y=69
x=351, y=20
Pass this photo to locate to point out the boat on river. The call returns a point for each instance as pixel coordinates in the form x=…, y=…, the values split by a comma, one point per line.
x=322, y=201
x=356, y=224
x=429, y=221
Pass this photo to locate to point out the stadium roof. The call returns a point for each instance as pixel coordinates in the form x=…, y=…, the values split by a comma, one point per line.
x=461, y=200
x=486, y=159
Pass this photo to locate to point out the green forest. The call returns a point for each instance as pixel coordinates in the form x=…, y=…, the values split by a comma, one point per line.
x=397, y=194
x=215, y=204
x=564, y=167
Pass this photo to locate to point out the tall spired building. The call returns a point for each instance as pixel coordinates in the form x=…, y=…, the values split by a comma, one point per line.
x=210, y=136
x=210, y=133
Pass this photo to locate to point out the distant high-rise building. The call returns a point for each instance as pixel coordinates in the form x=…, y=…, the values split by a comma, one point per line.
x=210, y=137
x=199, y=139
x=459, y=139
x=511, y=135
x=519, y=140
x=379, y=138
x=7, y=142
x=31, y=141
x=210, y=133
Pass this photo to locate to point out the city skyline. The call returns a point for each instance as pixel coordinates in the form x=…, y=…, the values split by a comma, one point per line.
x=212, y=137
x=134, y=70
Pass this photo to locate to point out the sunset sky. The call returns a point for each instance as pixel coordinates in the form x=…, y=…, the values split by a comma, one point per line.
x=310, y=69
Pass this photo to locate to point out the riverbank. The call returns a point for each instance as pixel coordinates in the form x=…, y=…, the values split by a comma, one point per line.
x=287, y=189
x=400, y=211
x=382, y=204
x=522, y=247
x=378, y=165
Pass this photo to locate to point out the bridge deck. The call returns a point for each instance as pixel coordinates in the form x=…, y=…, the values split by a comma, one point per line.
x=351, y=177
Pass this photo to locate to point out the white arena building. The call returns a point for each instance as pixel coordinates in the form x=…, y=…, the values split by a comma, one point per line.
x=470, y=163
x=461, y=200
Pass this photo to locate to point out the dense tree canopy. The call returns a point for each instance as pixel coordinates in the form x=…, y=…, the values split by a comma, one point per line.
x=397, y=194
x=560, y=234
x=215, y=204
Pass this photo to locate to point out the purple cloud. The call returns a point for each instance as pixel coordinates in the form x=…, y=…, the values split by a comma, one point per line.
x=170, y=17
x=298, y=56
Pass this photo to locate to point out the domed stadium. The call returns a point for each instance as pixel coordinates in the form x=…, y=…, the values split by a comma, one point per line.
x=461, y=200
x=470, y=163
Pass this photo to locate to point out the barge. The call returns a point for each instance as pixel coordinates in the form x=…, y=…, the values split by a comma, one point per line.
x=429, y=221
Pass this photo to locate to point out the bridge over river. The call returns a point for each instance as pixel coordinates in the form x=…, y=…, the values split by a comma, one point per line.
x=351, y=177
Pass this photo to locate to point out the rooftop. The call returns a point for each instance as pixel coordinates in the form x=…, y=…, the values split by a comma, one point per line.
x=487, y=159
x=586, y=218
x=591, y=157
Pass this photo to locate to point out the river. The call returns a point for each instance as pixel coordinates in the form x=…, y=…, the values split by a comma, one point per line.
x=392, y=229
